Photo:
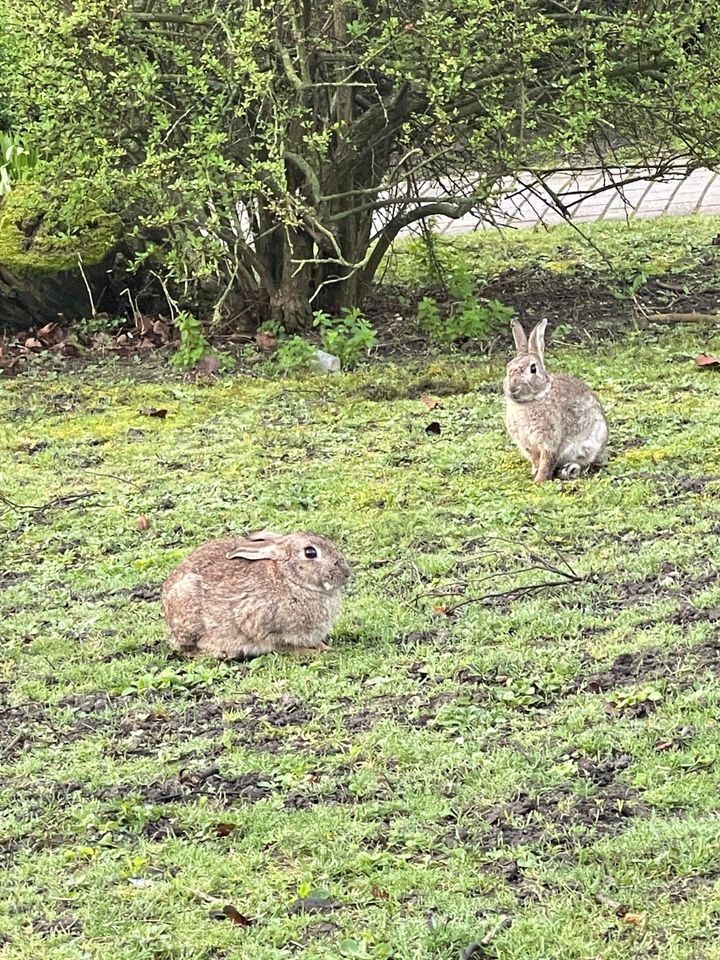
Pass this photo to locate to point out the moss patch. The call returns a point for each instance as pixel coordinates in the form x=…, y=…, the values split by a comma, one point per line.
x=31, y=241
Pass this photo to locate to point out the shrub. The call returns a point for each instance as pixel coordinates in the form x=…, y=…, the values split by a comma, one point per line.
x=255, y=142
x=348, y=337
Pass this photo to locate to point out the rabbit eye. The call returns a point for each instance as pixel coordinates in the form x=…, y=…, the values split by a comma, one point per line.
x=533, y=368
x=310, y=553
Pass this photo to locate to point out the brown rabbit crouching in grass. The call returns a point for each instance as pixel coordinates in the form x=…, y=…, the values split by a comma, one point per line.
x=557, y=422
x=244, y=596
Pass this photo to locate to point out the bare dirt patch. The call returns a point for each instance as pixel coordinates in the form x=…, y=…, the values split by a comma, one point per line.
x=681, y=665
x=561, y=818
x=223, y=790
x=144, y=734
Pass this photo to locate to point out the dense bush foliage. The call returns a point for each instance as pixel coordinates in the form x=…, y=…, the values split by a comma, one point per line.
x=256, y=143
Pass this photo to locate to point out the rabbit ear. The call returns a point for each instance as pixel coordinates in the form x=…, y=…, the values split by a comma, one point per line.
x=264, y=535
x=257, y=548
x=521, y=343
x=537, y=339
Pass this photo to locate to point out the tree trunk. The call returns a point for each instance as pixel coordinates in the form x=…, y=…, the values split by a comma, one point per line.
x=39, y=284
x=290, y=301
x=33, y=298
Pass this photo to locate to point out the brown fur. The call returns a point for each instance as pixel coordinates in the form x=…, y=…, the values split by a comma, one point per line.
x=557, y=422
x=266, y=596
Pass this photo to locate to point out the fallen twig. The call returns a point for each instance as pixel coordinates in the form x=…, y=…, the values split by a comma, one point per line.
x=476, y=951
x=563, y=572
x=683, y=317
x=64, y=501
x=608, y=902
x=113, y=476
x=516, y=592
x=495, y=538
x=205, y=897
x=87, y=286
x=501, y=925
x=434, y=594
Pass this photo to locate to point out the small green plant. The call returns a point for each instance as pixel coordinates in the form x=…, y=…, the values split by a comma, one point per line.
x=636, y=698
x=461, y=283
x=167, y=679
x=467, y=320
x=101, y=323
x=348, y=337
x=628, y=282
x=459, y=717
x=293, y=355
x=535, y=692
x=431, y=258
x=272, y=328
x=17, y=161
x=430, y=318
x=193, y=342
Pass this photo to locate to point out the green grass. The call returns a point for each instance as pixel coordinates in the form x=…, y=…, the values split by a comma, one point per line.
x=431, y=775
x=620, y=252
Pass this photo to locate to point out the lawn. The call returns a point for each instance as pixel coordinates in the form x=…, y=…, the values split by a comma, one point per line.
x=613, y=252
x=512, y=750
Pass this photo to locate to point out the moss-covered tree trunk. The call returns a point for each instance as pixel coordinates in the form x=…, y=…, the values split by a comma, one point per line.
x=44, y=279
x=32, y=297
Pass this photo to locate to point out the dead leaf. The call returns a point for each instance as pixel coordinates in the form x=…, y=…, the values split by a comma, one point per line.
x=433, y=428
x=225, y=829
x=707, y=360
x=32, y=344
x=153, y=412
x=266, y=342
x=231, y=913
x=143, y=522
x=440, y=608
x=140, y=883
x=430, y=402
x=636, y=919
x=379, y=894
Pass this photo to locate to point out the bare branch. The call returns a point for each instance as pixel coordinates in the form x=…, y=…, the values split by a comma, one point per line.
x=383, y=242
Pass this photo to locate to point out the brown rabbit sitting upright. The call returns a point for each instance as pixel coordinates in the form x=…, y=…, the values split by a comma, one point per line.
x=245, y=596
x=557, y=422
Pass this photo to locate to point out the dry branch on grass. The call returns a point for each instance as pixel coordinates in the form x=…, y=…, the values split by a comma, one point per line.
x=67, y=500
x=561, y=570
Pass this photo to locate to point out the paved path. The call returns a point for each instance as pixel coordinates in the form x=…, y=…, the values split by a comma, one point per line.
x=525, y=205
